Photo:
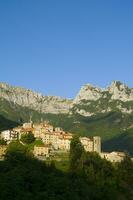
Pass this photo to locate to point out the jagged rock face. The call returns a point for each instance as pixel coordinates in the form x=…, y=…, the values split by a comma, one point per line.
x=89, y=101
x=33, y=100
x=92, y=100
x=88, y=92
x=120, y=91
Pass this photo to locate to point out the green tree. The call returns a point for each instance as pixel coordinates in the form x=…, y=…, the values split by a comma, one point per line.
x=16, y=152
x=28, y=138
x=3, y=142
x=125, y=176
x=76, y=153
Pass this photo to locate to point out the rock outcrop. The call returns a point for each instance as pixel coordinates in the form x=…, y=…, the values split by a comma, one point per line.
x=92, y=100
x=33, y=100
x=120, y=91
x=88, y=92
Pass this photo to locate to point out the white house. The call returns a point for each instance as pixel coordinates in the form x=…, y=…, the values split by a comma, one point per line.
x=9, y=135
x=6, y=135
x=113, y=156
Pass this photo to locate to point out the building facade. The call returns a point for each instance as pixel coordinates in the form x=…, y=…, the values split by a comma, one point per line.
x=91, y=144
x=9, y=135
x=42, y=150
x=113, y=156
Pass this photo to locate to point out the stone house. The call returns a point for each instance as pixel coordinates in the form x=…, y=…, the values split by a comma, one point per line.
x=64, y=144
x=87, y=143
x=113, y=156
x=41, y=150
x=9, y=135
x=91, y=144
x=6, y=135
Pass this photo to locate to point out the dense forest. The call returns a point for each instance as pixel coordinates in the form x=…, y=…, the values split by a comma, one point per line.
x=22, y=177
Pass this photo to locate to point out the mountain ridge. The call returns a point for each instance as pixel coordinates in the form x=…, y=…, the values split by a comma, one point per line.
x=33, y=100
x=109, y=118
x=53, y=104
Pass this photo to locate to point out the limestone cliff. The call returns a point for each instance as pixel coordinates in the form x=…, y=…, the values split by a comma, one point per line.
x=88, y=92
x=92, y=100
x=120, y=91
x=33, y=100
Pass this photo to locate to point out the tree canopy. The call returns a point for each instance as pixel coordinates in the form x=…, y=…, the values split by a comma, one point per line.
x=22, y=177
x=3, y=142
x=27, y=138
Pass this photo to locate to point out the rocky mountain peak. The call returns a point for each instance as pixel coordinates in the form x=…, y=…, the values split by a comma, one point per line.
x=88, y=92
x=117, y=84
x=120, y=91
x=4, y=85
x=117, y=90
x=91, y=100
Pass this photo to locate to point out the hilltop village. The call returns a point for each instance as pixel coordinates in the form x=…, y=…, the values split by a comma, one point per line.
x=54, y=139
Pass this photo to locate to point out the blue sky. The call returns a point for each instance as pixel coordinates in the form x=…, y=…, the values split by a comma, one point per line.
x=56, y=46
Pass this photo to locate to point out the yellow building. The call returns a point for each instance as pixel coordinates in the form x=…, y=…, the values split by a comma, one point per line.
x=42, y=128
x=91, y=144
x=87, y=143
x=58, y=140
x=2, y=151
x=37, y=133
x=41, y=150
x=47, y=138
x=64, y=144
